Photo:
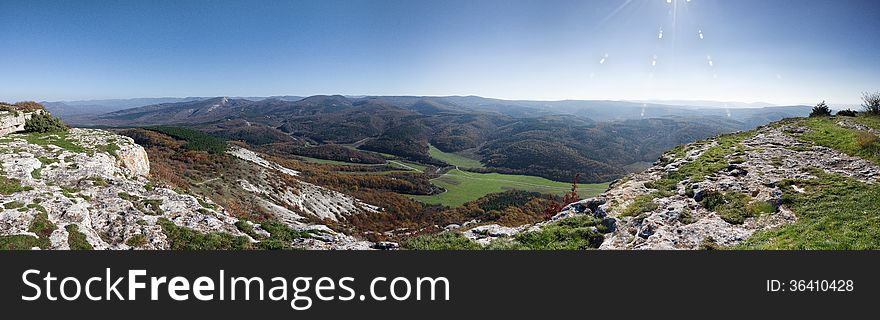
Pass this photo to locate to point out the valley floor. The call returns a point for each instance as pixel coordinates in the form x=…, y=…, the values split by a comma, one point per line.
x=462, y=186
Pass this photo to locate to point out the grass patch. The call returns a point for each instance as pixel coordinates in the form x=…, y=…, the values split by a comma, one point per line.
x=13, y=205
x=280, y=236
x=825, y=132
x=205, y=204
x=69, y=192
x=136, y=241
x=77, y=240
x=777, y=162
x=576, y=233
x=440, y=241
x=641, y=204
x=713, y=160
x=248, y=229
x=10, y=185
x=58, y=139
x=41, y=226
x=146, y=206
x=98, y=181
x=46, y=161
x=735, y=207
x=687, y=217
x=110, y=148
x=710, y=162
x=22, y=242
x=834, y=213
x=462, y=186
x=453, y=158
x=182, y=238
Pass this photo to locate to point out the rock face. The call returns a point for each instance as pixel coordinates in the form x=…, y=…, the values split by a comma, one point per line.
x=95, y=180
x=306, y=198
x=11, y=122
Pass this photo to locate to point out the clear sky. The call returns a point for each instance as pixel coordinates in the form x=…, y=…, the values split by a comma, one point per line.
x=751, y=50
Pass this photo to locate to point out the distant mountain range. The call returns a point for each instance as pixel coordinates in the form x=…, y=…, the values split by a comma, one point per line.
x=601, y=140
x=598, y=110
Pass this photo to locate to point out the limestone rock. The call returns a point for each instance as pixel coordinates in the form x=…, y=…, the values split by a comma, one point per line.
x=96, y=180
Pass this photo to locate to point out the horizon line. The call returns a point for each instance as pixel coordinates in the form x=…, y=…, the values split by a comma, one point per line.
x=649, y=101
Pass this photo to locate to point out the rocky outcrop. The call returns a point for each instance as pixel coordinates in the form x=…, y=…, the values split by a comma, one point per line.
x=764, y=159
x=305, y=198
x=13, y=121
x=97, y=181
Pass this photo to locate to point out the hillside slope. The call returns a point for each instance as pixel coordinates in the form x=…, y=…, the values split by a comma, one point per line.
x=511, y=137
x=92, y=189
x=90, y=185
x=808, y=183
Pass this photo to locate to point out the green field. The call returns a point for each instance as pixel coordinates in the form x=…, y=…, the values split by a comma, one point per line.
x=464, y=186
x=453, y=159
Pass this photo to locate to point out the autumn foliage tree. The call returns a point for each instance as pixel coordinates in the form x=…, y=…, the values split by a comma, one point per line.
x=572, y=196
x=555, y=207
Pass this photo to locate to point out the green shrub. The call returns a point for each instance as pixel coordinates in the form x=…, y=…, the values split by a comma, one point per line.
x=847, y=113
x=687, y=217
x=182, y=238
x=820, y=110
x=441, y=241
x=279, y=232
x=709, y=244
x=574, y=233
x=44, y=123
x=247, y=228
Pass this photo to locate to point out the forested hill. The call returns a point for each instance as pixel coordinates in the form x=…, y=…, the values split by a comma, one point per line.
x=506, y=136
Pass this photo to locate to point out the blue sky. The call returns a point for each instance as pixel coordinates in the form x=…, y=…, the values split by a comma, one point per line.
x=781, y=52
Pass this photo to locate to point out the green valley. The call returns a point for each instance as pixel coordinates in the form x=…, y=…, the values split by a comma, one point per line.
x=462, y=186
